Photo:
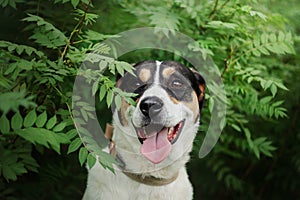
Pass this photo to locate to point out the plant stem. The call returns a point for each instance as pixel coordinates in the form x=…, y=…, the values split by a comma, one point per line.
x=224, y=4
x=229, y=57
x=68, y=106
x=213, y=10
x=76, y=31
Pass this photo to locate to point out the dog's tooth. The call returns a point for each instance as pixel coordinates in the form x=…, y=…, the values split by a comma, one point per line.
x=171, y=130
x=144, y=132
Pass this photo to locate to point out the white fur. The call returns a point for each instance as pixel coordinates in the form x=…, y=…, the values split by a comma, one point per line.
x=103, y=184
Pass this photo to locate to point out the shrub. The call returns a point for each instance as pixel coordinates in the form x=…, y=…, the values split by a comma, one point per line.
x=40, y=58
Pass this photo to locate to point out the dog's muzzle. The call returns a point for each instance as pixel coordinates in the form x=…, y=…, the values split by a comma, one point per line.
x=151, y=107
x=153, y=117
x=155, y=137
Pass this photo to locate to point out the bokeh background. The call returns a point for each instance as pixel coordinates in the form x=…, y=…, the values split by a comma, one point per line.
x=255, y=44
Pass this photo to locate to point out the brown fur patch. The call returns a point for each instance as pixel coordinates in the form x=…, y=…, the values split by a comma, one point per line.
x=168, y=72
x=137, y=100
x=174, y=100
x=145, y=75
x=123, y=109
x=202, y=89
x=193, y=105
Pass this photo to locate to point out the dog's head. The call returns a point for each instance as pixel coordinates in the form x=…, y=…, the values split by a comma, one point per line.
x=163, y=124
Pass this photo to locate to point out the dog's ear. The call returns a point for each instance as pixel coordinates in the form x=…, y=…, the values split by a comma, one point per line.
x=201, y=85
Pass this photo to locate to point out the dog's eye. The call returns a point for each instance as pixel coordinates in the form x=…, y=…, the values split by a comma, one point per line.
x=137, y=84
x=176, y=84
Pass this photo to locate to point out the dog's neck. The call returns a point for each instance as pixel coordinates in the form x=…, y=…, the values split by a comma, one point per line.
x=141, y=178
x=151, y=180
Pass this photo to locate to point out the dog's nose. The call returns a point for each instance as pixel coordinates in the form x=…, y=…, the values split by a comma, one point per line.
x=151, y=106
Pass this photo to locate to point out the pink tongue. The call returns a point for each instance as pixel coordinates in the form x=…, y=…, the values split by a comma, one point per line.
x=157, y=147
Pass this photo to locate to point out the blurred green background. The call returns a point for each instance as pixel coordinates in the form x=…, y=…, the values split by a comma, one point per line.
x=255, y=45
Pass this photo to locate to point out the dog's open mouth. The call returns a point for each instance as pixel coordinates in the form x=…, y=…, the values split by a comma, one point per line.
x=173, y=132
x=157, y=140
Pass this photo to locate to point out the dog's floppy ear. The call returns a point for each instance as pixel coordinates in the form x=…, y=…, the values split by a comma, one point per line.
x=201, y=85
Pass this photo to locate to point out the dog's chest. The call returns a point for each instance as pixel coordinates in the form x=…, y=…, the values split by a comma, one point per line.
x=109, y=186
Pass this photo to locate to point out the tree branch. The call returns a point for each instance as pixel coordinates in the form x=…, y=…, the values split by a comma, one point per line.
x=224, y=4
x=229, y=57
x=75, y=31
x=214, y=9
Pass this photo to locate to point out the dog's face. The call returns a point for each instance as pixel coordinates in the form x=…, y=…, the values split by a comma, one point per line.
x=162, y=125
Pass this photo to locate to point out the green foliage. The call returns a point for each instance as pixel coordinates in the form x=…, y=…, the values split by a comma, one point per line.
x=13, y=100
x=11, y=3
x=45, y=34
x=50, y=137
x=35, y=105
x=73, y=2
x=250, y=42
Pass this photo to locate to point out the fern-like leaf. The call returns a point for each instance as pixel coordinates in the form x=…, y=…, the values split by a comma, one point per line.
x=45, y=33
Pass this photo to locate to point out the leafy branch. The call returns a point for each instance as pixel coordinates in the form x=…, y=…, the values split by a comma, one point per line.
x=76, y=29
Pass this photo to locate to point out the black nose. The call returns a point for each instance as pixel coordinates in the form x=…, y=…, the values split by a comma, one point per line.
x=151, y=106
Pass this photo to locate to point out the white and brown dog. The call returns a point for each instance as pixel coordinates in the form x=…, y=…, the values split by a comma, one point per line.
x=154, y=138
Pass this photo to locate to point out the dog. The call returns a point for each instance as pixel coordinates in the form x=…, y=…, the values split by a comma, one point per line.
x=152, y=139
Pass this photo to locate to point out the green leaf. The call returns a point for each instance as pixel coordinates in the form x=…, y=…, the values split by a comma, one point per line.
x=130, y=101
x=8, y=173
x=59, y=127
x=170, y=22
x=46, y=34
x=13, y=100
x=71, y=133
x=126, y=66
x=106, y=160
x=112, y=68
x=248, y=137
x=91, y=160
x=118, y=101
x=11, y=48
x=24, y=64
x=62, y=138
x=280, y=85
x=75, y=3
x=266, y=99
x=30, y=118
x=41, y=119
x=278, y=103
x=120, y=69
x=20, y=49
x=273, y=90
x=83, y=153
x=95, y=87
x=84, y=114
x=256, y=152
x=51, y=122
x=109, y=98
x=44, y=137
x=75, y=144
x=102, y=92
x=10, y=69
x=4, y=124
x=267, y=84
x=102, y=65
x=236, y=127
x=221, y=25
x=86, y=1
x=16, y=121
